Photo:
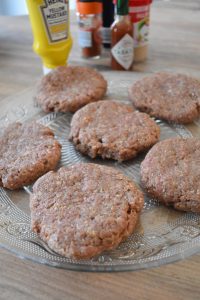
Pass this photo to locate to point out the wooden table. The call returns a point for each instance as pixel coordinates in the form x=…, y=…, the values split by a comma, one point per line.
x=174, y=46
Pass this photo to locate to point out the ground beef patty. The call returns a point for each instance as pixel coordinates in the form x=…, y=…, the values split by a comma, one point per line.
x=27, y=151
x=171, y=173
x=112, y=130
x=69, y=88
x=84, y=209
x=172, y=97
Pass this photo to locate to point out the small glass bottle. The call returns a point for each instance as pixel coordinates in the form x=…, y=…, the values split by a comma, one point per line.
x=122, y=38
x=108, y=19
x=89, y=15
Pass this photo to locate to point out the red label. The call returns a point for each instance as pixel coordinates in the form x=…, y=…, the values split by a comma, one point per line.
x=139, y=10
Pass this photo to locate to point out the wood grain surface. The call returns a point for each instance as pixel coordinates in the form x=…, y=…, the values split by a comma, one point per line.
x=174, y=46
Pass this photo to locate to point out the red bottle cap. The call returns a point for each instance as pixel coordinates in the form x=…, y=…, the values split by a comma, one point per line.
x=139, y=2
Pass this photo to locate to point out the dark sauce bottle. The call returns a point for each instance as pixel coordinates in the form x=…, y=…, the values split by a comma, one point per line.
x=108, y=18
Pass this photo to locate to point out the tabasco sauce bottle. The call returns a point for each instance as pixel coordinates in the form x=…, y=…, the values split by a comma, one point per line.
x=122, y=49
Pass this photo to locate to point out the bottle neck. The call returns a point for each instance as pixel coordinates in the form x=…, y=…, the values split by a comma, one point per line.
x=122, y=7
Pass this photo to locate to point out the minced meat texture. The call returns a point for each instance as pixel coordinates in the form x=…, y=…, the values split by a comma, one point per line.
x=113, y=130
x=82, y=210
x=171, y=173
x=69, y=88
x=172, y=97
x=27, y=151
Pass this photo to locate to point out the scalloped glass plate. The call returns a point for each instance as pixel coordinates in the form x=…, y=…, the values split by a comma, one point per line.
x=162, y=235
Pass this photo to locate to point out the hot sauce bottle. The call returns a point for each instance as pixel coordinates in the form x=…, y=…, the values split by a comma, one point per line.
x=122, y=49
x=89, y=15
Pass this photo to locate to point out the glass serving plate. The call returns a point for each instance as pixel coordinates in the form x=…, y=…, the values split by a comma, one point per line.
x=162, y=235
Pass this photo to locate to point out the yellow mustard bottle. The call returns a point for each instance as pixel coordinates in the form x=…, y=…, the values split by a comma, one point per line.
x=50, y=25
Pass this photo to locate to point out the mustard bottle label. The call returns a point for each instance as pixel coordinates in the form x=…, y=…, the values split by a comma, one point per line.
x=56, y=19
